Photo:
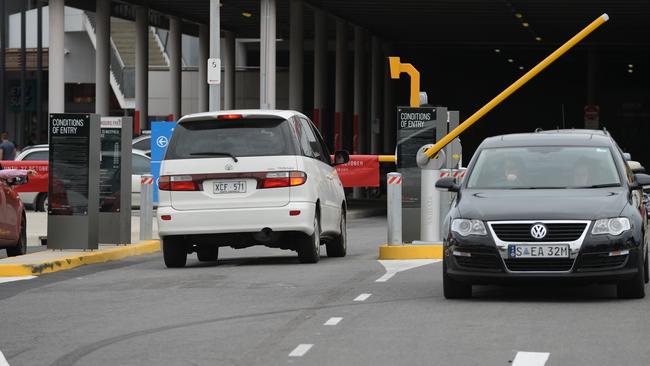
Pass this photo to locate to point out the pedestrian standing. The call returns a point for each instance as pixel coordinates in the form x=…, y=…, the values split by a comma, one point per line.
x=7, y=148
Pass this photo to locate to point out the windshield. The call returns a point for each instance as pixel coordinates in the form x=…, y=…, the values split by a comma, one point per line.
x=544, y=167
x=224, y=138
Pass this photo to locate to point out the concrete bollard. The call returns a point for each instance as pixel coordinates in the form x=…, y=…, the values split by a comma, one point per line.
x=394, y=191
x=146, y=207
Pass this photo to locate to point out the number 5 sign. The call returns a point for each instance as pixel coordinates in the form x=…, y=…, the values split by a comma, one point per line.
x=214, y=71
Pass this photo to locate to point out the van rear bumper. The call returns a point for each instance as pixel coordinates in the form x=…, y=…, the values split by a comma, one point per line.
x=241, y=220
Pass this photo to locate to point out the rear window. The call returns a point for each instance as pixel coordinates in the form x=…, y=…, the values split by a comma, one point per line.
x=239, y=137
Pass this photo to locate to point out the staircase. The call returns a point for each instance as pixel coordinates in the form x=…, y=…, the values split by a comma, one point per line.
x=123, y=37
x=123, y=56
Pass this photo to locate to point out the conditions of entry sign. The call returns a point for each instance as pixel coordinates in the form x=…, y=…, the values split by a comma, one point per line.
x=73, y=191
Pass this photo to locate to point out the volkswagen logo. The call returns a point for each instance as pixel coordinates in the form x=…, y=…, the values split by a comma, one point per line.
x=228, y=166
x=538, y=231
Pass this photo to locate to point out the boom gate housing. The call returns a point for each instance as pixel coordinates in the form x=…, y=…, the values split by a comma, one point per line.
x=417, y=127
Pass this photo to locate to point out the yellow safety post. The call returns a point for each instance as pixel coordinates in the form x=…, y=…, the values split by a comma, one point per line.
x=396, y=68
x=516, y=85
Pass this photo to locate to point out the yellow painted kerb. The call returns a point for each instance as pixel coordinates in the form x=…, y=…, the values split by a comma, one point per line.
x=410, y=252
x=78, y=259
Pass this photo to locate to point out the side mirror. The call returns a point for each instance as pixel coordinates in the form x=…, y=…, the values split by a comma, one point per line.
x=627, y=156
x=17, y=181
x=642, y=180
x=635, y=167
x=341, y=157
x=449, y=184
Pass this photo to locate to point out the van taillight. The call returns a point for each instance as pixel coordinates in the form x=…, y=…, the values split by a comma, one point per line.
x=283, y=179
x=177, y=183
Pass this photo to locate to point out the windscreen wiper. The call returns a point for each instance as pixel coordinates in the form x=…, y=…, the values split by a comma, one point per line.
x=537, y=188
x=604, y=185
x=214, y=153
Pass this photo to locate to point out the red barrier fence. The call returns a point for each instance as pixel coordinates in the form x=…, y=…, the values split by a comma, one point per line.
x=360, y=171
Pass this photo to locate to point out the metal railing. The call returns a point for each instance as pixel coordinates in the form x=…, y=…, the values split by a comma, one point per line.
x=123, y=75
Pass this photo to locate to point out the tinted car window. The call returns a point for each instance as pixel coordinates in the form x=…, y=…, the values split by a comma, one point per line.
x=37, y=155
x=301, y=132
x=141, y=165
x=544, y=167
x=239, y=137
x=144, y=144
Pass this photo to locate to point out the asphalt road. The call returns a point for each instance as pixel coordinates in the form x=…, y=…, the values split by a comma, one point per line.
x=262, y=307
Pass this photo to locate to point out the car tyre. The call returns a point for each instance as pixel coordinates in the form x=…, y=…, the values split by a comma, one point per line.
x=646, y=273
x=309, y=247
x=42, y=203
x=207, y=253
x=453, y=289
x=633, y=288
x=338, y=247
x=21, y=245
x=174, y=253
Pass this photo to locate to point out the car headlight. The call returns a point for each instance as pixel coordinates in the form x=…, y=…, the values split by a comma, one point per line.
x=468, y=227
x=614, y=226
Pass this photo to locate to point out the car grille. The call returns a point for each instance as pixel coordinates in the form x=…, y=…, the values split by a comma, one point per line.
x=600, y=261
x=555, y=232
x=539, y=264
x=482, y=259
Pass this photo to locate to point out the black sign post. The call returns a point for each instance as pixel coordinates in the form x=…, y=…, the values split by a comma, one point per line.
x=115, y=181
x=416, y=127
x=73, y=181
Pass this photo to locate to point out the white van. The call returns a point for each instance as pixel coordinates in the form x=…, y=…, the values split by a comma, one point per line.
x=249, y=177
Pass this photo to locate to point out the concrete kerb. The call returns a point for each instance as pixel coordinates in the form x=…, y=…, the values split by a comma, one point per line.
x=34, y=265
x=387, y=252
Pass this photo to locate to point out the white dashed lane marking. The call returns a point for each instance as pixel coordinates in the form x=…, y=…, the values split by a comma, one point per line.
x=12, y=279
x=333, y=321
x=301, y=350
x=3, y=360
x=395, y=266
x=530, y=359
x=362, y=297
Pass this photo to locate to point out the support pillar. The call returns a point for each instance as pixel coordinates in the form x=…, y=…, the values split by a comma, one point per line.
x=204, y=53
x=141, y=68
x=3, y=47
x=320, y=74
x=389, y=128
x=229, y=70
x=359, y=120
x=103, y=57
x=175, y=65
x=376, y=69
x=592, y=111
x=215, y=52
x=267, y=54
x=39, y=73
x=341, y=128
x=56, y=81
x=22, y=123
x=296, y=55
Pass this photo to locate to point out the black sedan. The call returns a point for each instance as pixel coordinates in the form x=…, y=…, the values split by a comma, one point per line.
x=561, y=206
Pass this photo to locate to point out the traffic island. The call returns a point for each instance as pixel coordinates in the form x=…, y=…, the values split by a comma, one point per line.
x=36, y=264
x=410, y=251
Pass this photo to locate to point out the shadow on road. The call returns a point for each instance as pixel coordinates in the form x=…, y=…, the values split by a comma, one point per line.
x=546, y=293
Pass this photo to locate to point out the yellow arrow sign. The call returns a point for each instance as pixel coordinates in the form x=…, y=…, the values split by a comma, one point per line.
x=396, y=68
